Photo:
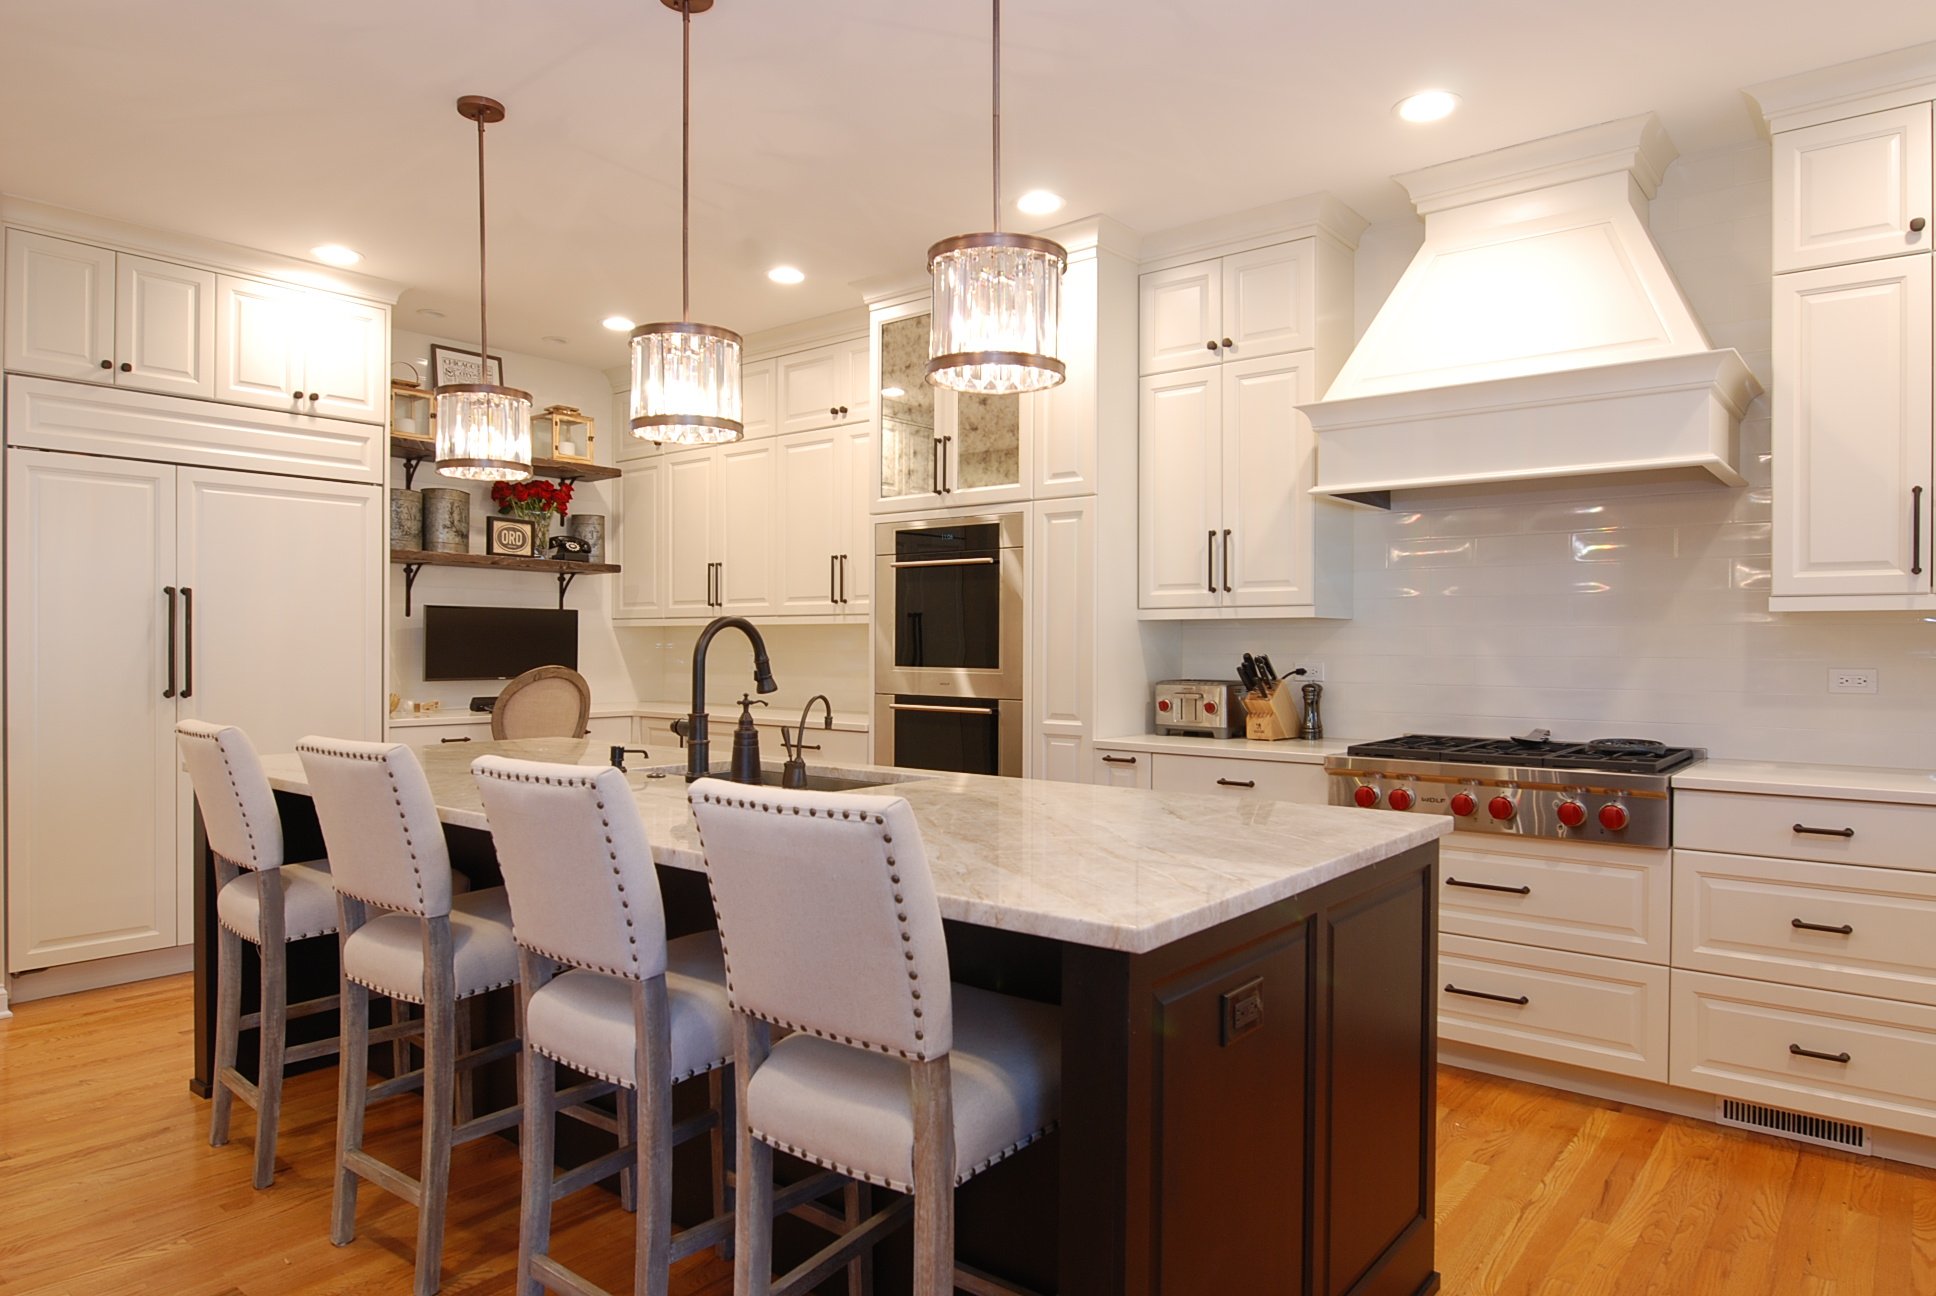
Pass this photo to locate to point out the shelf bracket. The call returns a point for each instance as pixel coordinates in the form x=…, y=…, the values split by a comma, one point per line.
x=410, y=474
x=410, y=571
x=564, y=583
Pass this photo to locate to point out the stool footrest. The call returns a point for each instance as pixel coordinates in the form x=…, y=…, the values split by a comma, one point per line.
x=501, y=1119
x=408, y=1082
x=388, y=1178
x=314, y=1049
x=557, y=1278
x=824, y=1263
x=240, y=1085
x=976, y=1283
x=592, y=1171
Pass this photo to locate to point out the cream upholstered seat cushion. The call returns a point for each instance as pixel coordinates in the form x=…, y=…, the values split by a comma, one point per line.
x=849, y=1109
x=386, y=953
x=308, y=901
x=584, y=1019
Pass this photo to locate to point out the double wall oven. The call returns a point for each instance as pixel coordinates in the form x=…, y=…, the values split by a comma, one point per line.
x=948, y=643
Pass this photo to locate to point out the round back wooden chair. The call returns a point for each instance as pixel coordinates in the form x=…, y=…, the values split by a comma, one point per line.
x=544, y=702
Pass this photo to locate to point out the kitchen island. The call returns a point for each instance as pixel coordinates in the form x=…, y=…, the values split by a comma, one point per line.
x=1247, y=997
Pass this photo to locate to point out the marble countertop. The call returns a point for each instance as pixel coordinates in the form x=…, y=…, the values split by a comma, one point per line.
x=1116, y=868
x=1840, y=782
x=1299, y=751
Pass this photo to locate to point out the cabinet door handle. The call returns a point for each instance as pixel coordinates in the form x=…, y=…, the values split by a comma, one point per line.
x=947, y=477
x=843, y=578
x=107, y=364
x=188, y=642
x=1917, y=225
x=1489, y=886
x=1242, y=783
x=833, y=576
x=1842, y=929
x=935, y=466
x=843, y=411
x=1824, y=832
x=1210, y=565
x=452, y=740
x=833, y=411
x=1799, y=1051
x=1228, y=344
x=1521, y=1000
x=1119, y=760
x=1915, y=530
x=1226, y=560
x=126, y=367
x=169, y=590
x=1211, y=344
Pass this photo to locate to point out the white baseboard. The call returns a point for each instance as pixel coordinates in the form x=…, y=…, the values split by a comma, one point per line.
x=71, y=978
x=1892, y=1145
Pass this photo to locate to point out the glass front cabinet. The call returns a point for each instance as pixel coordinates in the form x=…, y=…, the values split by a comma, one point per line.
x=940, y=449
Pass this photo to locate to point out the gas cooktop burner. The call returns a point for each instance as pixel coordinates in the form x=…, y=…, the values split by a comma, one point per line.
x=1604, y=755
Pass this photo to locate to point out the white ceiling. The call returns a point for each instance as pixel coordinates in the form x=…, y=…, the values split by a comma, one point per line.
x=841, y=136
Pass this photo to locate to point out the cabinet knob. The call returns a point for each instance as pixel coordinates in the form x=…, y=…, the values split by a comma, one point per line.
x=107, y=364
x=315, y=395
x=1916, y=226
x=843, y=411
x=126, y=367
x=833, y=411
x=1211, y=345
x=1227, y=344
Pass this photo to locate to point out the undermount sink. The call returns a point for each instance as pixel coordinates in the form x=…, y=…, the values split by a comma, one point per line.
x=817, y=781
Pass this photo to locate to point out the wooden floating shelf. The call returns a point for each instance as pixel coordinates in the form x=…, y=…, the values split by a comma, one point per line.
x=414, y=560
x=414, y=450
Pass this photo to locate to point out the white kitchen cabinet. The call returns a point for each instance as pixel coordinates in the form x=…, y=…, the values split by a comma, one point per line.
x=168, y=604
x=1240, y=779
x=94, y=315
x=691, y=509
x=758, y=399
x=1062, y=615
x=745, y=534
x=300, y=350
x=1853, y=190
x=939, y=448
x=1228, y=525
x=1852, y=433
x=1124, y=769
x=1259, y=302
x=861, y=467
x=1591, y=899
x=826, y=386
x=1606, y=1014
x=642, y=542
x=822, y=562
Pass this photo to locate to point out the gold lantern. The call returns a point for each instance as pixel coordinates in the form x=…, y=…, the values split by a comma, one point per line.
x=563, y=432
x=411, y=409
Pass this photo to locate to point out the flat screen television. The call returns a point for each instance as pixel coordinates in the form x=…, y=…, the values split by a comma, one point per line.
x=473, y=643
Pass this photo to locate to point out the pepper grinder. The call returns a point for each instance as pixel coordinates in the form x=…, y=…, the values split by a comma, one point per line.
x=1312, y=722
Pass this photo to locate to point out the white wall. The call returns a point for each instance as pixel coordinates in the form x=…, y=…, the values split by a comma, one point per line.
x=1603, y=610
x=601, y=658
x=806, y=660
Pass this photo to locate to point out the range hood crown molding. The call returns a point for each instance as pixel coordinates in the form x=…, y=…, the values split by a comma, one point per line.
x=1638, y=146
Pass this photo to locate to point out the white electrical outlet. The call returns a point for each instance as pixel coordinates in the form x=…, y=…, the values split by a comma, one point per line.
x=1852, y=679
x=1313, y=671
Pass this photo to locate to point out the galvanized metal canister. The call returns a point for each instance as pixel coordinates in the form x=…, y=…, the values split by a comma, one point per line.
x=406, y=518
x=446, y=519
x=589, y=527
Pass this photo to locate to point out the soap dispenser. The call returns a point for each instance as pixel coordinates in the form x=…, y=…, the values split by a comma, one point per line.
x=746, y=743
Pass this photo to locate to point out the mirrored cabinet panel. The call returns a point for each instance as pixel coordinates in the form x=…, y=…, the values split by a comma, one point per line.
x=938, y=447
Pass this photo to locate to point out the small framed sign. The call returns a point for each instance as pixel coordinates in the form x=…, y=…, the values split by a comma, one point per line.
x=510, y=537
x=452, y=365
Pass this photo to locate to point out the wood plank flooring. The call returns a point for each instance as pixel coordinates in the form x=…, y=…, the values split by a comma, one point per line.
x=108, y=1187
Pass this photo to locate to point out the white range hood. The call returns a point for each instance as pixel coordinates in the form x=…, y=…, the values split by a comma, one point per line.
x=1536, y=335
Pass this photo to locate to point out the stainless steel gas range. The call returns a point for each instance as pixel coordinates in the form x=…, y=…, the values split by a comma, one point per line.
x=1612, y=791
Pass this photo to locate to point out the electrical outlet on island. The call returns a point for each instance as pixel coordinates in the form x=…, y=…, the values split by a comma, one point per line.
x=1852, y=679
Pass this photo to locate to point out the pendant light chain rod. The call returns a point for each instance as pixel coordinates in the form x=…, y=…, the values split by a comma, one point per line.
x=998, y=116
x=483, y=315
x=685, y=166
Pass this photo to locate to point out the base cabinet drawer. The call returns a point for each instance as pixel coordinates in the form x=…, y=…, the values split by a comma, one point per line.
x=1849, y=1057
x=1589, y=899
x=1827, y=926
x=1812, y=828
x=1122, y=769
x=1607, y=1014
x=1229, y=776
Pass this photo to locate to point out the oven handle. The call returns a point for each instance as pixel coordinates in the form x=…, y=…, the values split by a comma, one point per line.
x=943, y=562
x=941, y=710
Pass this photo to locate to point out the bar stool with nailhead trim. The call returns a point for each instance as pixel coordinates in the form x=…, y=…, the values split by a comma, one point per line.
x=631, y=1008
x=262, y=899
x=426, y=946
x=893, y=1075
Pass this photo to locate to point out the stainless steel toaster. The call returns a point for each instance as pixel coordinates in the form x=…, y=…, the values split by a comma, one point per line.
x=1199, y=708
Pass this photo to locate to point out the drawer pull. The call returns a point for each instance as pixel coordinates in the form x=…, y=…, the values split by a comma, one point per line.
x=1799, y=1051
x=1842, y=930
x=1119, y=760
x=452, y=740
x=1489, y=886
x=1243, y=783
x=1521, y=1000
x=1825, y=832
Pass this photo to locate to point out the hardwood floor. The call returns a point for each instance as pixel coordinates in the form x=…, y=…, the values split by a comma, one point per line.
x=108, y=1186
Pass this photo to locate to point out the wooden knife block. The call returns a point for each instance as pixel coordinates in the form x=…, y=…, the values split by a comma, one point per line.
x=1273, y=716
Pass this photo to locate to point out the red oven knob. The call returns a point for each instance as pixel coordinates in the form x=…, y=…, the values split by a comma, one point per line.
x=1162, y=704
x=1572, y=813
x=1366, y=796
x=1614, y=817
x=1501, y=807
x=1400, y=799
x=1463, y=804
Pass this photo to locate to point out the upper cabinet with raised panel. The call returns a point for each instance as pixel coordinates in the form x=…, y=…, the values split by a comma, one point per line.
x=1852, y=190
x=824, y=387
x=300, y=350
x=1258, y=302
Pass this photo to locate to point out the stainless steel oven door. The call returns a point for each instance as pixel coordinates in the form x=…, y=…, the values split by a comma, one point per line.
x=948, y=606
x=969, y=736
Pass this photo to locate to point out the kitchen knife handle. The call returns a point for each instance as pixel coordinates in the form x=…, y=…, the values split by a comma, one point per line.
x=1824, y=832
x=1915, y=530
x=169, y=590
x=1521, y=1000
x=1210, y=565
x=188, y=642
x=1226, y=560
x=1799, y=1051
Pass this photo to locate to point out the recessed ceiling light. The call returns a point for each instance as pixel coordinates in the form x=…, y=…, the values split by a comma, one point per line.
x=554, y=339
x=336, y=254
x=429, y=312
x=893, y=393
x=1427, y=106
x=618, y=324
x=1039, y=202
x=786, y=275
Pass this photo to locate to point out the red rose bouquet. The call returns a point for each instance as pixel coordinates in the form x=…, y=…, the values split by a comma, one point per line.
x=536, y=499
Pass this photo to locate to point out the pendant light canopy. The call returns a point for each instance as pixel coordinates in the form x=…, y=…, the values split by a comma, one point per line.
x=483, y=429
x=997, y=304
x=685, y=376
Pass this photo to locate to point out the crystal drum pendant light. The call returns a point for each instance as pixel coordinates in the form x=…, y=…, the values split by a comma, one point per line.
x=997, y=306
x=483, y=429
x=685, y=376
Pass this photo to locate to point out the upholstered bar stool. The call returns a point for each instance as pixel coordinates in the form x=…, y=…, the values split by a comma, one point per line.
x=266, y=901
x=421, y=945
x=892, y=1075
x=636, y=1011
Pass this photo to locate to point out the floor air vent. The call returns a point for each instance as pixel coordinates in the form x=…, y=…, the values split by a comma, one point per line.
x=1794, y=1125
